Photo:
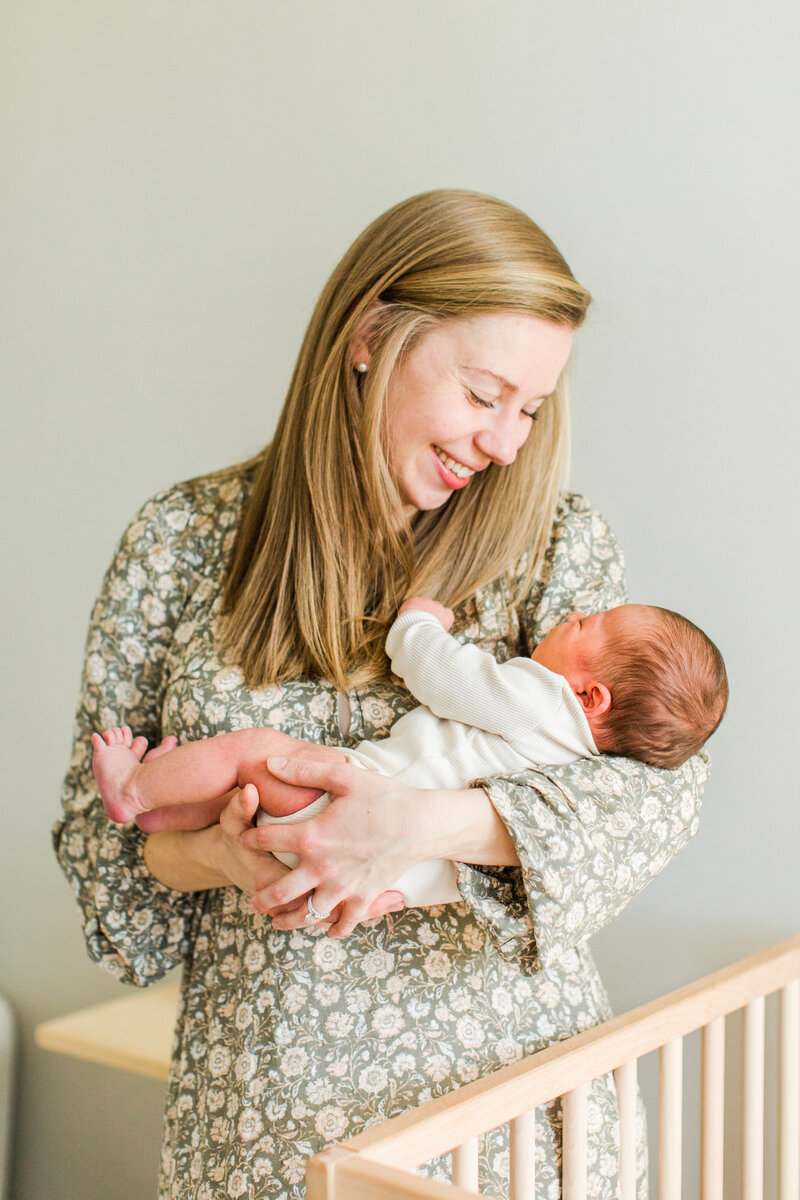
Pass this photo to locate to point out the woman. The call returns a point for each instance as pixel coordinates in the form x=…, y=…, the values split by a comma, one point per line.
x=419, y=451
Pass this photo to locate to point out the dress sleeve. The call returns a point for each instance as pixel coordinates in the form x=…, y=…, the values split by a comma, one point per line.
x=134, y=926
x=589, y=835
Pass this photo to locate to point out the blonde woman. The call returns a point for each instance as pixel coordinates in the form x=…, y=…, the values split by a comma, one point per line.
x=420, y=450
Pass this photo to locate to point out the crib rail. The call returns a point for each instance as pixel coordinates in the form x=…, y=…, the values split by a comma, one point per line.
x=380, y=1163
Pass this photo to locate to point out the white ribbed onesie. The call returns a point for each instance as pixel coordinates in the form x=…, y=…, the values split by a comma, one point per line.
x=478, y=718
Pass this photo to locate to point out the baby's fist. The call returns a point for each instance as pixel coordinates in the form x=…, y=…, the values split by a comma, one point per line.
x=445, y=616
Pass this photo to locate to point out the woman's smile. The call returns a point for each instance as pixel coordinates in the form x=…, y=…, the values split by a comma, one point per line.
x=452, y=467
x=464, y=399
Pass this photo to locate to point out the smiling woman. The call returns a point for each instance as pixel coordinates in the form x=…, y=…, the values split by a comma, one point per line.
x=448, y=418
x=262, y=596
x=441, y=283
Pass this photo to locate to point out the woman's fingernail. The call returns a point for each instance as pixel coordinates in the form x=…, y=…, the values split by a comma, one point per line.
x=280, y=763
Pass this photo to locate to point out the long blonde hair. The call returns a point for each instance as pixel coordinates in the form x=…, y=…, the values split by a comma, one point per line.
x=323, y=556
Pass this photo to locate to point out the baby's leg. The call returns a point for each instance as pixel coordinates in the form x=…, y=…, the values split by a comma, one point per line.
x=196, y=771
x=277, y=798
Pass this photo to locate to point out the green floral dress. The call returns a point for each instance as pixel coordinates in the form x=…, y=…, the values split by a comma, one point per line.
x=289, y=1040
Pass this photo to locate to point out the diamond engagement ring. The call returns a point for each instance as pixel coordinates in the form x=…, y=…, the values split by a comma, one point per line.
x=313, y=913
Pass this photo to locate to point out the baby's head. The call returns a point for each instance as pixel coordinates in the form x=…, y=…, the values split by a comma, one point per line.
x=651, y=684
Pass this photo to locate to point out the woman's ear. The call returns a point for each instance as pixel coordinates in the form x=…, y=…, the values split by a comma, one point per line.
x=363, y=341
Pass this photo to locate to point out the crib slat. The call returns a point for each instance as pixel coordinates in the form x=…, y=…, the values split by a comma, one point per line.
x=712, y=1110
x=573, y=1158
x=465, y=1165
x=670, y=1113
x=789, y=1118
x=753, y=1100
x=523, y=1157
x=625, y=1079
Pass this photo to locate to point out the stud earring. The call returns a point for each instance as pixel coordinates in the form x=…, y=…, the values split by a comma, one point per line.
x=361, y=368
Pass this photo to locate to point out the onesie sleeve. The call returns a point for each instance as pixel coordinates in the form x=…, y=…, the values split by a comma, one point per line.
x=135, y=927
x=464, y=683
x=589, y=835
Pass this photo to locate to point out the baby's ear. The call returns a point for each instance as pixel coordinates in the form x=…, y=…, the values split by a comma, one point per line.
x=595, y=698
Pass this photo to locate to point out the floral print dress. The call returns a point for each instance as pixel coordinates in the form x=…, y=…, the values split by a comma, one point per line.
x=287, y=1041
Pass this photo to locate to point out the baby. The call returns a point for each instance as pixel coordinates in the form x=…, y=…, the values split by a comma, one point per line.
x=634, y=681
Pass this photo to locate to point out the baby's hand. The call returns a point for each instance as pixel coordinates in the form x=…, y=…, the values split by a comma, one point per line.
x=445, y=616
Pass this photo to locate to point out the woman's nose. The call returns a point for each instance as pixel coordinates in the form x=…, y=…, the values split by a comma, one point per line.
x=501, y=440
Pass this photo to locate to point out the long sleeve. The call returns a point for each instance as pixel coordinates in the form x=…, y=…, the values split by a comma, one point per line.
x=590, y=835
x=518, y=700
x=134, y=926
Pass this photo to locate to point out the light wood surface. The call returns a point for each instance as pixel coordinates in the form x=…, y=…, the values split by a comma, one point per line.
x=134, y=1033
x=625, y=1078
x=436, y=1127
x=465, y=1165
x=712, y=1111
x=670, y=1119
x=753, y=1100
x=573, y=1153
x=789, y=1120
x=336, y=1173
x=522, y=1157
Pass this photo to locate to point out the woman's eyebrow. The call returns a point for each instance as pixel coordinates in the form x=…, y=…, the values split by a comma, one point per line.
x=510, y=387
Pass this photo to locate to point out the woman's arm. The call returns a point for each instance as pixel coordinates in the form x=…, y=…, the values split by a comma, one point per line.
x=136, y=927
x=221, y=856
x=592, y=834
x=196, y=860
x=588, y=836
x=373, y=832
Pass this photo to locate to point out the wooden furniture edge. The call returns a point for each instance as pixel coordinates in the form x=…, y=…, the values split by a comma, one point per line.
x=133, y=1033
x=337, y=1172
x=449, y=1120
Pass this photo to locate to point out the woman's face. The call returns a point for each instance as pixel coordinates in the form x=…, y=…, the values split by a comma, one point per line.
x=464, y=398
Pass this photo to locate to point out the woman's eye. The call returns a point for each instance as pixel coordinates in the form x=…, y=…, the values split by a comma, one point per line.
x=479, y=400
x=534, y=416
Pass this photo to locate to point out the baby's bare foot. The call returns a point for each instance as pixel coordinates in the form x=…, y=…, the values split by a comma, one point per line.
x=115, y=761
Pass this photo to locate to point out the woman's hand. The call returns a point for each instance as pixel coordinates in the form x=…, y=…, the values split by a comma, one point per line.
x=350, y=854
x=192, y=861
x=372, y=833
x=220, y=856
x=250, y=870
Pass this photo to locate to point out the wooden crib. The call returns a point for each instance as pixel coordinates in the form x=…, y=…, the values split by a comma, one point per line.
x=380, y=1164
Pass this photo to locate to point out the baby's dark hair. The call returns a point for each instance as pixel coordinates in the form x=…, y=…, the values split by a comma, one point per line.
x=669, y=691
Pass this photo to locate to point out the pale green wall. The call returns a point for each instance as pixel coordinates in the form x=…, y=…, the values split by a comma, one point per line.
x=178, y=179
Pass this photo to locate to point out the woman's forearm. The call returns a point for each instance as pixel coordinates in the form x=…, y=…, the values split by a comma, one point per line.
x=376, y=823
x=373, y=831
x=462, y=826
x=217, y=856
x=185, y=860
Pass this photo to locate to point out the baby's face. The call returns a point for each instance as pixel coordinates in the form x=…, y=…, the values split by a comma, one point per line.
x=571, y=649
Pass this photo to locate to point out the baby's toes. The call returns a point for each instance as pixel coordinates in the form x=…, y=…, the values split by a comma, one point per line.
x=138, y=746
x=127, y=736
